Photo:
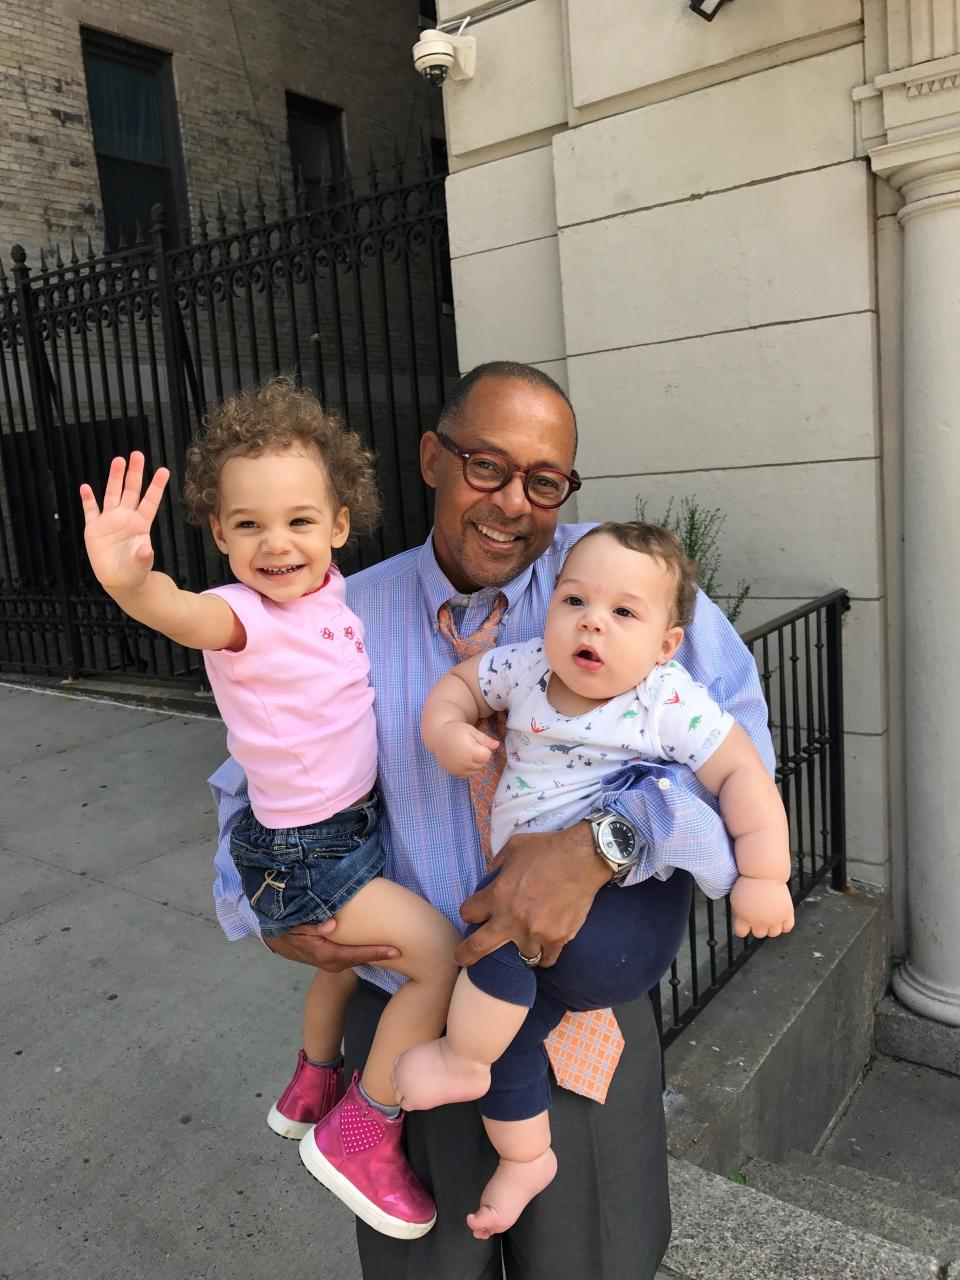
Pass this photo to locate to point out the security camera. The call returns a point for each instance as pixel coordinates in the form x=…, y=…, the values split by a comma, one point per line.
x=438, y=54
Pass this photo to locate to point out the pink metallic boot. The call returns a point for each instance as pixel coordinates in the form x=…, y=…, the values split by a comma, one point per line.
x=311, y=1093
x=355, y=1152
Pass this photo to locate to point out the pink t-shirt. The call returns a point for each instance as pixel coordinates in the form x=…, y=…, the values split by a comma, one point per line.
x=297, y=703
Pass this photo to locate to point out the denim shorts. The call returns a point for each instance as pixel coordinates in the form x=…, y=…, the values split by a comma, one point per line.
x=304, y=875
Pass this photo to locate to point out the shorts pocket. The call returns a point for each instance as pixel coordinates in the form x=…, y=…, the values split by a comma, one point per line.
x=277, y=891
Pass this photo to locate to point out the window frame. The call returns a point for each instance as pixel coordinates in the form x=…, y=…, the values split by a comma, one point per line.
x=313, y=109
x=144, y=57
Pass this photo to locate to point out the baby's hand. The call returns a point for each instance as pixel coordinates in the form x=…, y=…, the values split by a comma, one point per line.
x=463, y=749
x=118, y=537
x=761, y=907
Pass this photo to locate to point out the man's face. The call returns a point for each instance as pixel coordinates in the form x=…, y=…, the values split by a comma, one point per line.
x=487, y=539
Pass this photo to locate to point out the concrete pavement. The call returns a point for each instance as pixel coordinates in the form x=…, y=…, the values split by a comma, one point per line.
x=140, y=1050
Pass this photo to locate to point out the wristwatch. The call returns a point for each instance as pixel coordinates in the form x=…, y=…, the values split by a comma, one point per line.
x=616, y=842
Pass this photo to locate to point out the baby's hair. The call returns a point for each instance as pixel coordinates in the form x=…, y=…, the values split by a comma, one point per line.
x=654, y=540
x=270, y=419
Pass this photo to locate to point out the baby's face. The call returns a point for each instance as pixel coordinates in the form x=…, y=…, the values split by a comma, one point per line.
x=278, y=521
x=610, y=620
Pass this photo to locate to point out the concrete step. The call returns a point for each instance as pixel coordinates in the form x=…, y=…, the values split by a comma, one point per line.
x=903, y=1214
x=724, y=1231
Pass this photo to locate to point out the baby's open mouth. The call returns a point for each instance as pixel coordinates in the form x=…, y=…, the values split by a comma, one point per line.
x=587, y=659
x=280, y=570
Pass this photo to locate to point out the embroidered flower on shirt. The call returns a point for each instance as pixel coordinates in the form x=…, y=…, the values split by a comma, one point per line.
x=327, y=633
x=348, y=632
x=358, y=645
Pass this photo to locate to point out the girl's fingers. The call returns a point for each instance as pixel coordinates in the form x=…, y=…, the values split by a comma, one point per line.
x=89, y=504
x=133, y=482
x=151, y=499
x=114, y=489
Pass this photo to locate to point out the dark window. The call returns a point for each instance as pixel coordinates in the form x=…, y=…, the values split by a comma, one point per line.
x=428, y=13
x=135, y=134
x=315, y=131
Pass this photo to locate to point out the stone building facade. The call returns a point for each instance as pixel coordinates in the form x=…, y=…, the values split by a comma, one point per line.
x=231, y=66
x=737, y=243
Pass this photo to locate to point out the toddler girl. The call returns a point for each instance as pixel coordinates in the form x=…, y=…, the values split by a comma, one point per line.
x=601, y=689
x=283, y=486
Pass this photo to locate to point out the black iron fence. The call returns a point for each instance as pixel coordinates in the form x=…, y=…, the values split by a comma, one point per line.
x=799, y=658
x=125, y=349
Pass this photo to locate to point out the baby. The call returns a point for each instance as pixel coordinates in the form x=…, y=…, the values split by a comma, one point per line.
x=282, y=485
x=601, y=689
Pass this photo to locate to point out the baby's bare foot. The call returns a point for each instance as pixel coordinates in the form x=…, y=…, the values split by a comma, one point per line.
x=509, y=1192
x=430, y=1075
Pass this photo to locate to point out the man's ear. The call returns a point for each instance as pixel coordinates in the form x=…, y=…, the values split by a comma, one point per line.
x=341, y=528
x=430, y=448
x=217, y=530
x=671, y=643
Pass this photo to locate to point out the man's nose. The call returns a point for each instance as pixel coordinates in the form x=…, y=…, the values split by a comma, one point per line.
x=512, y=498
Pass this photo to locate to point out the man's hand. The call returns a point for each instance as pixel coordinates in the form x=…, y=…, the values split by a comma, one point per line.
x=311, y=944
x=541, y=897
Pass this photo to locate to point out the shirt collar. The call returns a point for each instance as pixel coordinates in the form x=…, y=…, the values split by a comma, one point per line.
x=438, y=589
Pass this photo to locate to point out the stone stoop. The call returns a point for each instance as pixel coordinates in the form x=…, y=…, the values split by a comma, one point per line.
x=726, y=1231
x=899, y=1212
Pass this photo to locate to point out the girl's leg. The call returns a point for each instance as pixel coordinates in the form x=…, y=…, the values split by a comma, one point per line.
x=324, y=1013
x=527, y=1165
x=385, y=912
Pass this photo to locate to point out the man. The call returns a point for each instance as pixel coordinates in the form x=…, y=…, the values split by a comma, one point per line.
x=607, y=1213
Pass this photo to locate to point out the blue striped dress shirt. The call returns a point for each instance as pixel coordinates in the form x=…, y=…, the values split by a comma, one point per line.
x=428, y=829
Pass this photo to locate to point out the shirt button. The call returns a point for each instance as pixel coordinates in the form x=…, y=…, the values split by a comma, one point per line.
x=664, y=784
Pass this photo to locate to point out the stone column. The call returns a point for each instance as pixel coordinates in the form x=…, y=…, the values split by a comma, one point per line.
x=926, y=170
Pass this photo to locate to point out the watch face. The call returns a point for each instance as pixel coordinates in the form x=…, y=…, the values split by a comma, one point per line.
x=618, y=839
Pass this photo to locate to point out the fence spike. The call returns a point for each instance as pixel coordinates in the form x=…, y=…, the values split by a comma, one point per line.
x=423, y=155
x=281, y=197
x=202, y=221
x=90, y=254
x=347, y=181
x=19, y=255
x=372, y=170
x=156, y=218
x=138, y=233
x=59, y=258
x=398, y=161
x=260, y=204
x=106, y=243
x=241, y=208
x=300, y=191
x=3, y=276
x=221, y=216
x=74, y=260
x=121, y=239
x=43, y=260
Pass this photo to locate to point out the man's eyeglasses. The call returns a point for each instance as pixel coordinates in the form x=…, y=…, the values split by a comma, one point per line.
x=488, y=472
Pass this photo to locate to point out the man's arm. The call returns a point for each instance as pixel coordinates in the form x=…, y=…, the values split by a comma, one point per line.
x=547, y=882
x=307, y=944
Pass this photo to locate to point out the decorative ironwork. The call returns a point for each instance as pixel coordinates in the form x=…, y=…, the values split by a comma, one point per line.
x=799, y=659
x=101, y=353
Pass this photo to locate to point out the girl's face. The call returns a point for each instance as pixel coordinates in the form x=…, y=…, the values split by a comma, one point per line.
x=278, y=521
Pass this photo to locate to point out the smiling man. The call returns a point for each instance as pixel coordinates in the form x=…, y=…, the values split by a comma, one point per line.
x=501, y=463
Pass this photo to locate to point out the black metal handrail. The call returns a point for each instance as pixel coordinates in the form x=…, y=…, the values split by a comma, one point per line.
x=800, y=663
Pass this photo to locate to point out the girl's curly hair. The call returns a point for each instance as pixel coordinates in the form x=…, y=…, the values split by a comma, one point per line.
x=269, y=419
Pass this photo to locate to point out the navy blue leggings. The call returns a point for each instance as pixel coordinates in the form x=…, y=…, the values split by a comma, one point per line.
x=623, y=949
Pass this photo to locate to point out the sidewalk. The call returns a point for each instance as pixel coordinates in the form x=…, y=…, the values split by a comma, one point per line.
x=140, y=1050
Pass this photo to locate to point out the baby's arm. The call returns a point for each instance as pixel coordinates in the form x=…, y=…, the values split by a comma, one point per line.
x=449, y=720
x=754, y=816
x=121, y=555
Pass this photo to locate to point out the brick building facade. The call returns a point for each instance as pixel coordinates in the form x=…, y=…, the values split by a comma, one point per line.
x=232, y=71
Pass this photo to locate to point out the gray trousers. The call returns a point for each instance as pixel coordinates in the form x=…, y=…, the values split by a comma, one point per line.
x=606, y=1216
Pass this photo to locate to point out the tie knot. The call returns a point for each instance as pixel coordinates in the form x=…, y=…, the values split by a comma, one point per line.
x=485, y=636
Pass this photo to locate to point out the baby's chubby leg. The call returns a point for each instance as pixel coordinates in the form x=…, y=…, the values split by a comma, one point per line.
x=385, y=912
x=457, y=1067
x=527, y=1165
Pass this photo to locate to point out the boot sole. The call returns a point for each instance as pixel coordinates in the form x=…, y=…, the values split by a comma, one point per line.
x=279, y=1123
x=320, y=1167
